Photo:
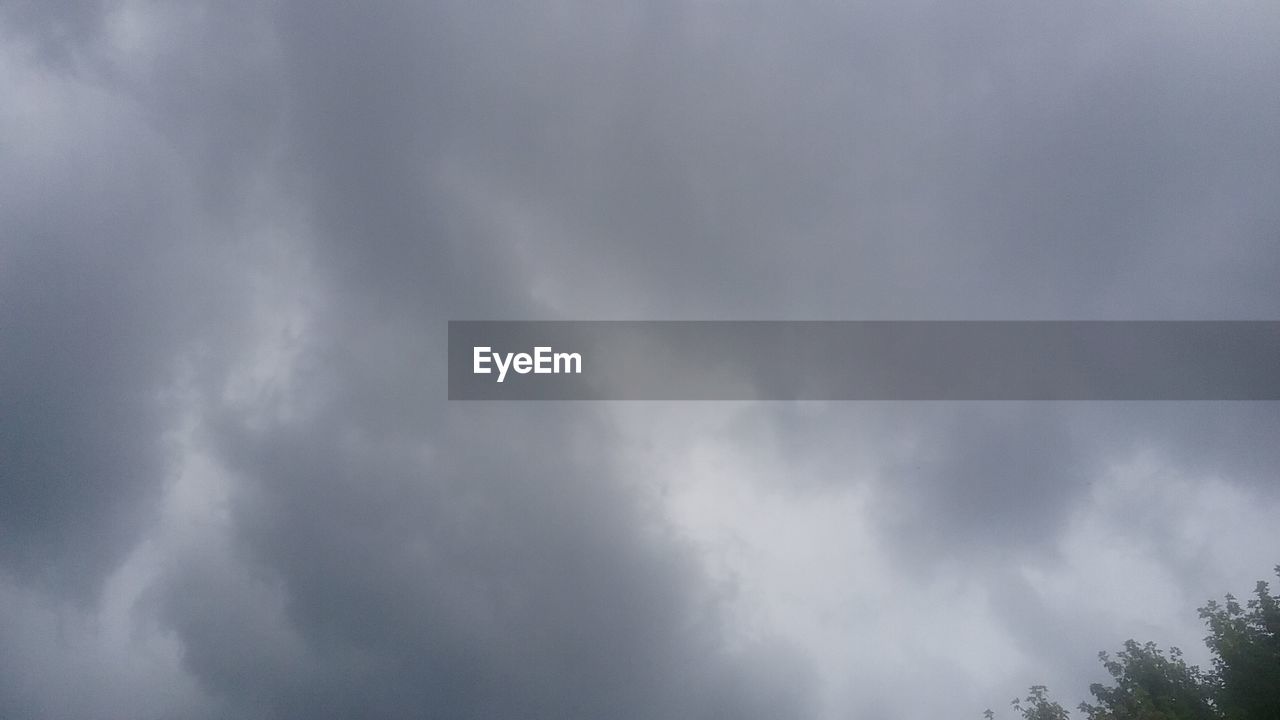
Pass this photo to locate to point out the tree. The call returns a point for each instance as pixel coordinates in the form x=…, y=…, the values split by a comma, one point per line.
x=1244, y=683
x=1246, y=645
x=1150, y=686
x=1037, y=705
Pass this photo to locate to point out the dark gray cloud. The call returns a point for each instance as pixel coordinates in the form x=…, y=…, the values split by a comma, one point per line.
x=505, y=577
x=98, y=292
x=294, y=198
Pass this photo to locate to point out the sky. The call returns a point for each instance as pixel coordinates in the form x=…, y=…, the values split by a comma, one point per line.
x=232, y=233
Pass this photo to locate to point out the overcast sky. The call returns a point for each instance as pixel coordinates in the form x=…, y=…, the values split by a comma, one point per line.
x=231, y=234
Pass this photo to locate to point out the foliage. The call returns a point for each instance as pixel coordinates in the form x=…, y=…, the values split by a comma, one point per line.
x=1244, y=683
x=1037, y=705
x=1150, y=686
x=1246, y=645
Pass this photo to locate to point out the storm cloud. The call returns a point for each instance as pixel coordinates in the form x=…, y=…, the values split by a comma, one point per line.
x=231, y=236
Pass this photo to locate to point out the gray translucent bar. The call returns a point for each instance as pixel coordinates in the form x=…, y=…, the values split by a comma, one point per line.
x=909, y=360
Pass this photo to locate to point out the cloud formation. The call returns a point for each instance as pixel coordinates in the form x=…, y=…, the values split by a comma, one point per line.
x=233, y=233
